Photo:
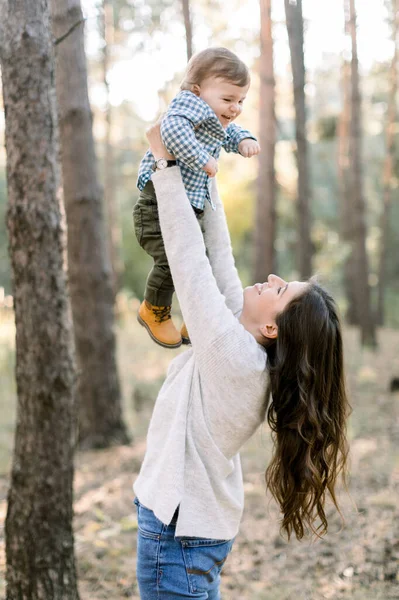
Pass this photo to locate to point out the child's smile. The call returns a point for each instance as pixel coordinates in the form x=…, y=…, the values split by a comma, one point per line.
x=225, y=98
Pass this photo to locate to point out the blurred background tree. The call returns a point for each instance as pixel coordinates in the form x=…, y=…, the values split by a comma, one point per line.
x=188, y=27
x=390, y=182
x=359, y=274
x=89, y=265
x=295, y=27
x=265, y=212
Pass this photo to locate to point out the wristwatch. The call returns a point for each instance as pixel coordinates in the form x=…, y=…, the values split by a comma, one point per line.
x=162, y=163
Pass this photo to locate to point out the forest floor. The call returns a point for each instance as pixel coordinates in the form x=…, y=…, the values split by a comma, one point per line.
x=359, y=561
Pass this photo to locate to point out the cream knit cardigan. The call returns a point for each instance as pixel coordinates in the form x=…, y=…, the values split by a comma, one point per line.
x=213, y=398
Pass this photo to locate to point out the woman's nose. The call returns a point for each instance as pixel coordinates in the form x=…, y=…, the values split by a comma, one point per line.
x=273, y=279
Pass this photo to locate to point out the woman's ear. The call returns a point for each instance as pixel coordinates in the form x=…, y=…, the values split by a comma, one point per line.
x=196, y=89
x=269, y=331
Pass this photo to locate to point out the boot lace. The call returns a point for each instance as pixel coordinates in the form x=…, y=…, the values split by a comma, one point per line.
x=162, y=313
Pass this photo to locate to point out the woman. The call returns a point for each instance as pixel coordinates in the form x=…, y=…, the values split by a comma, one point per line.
x=277, y=340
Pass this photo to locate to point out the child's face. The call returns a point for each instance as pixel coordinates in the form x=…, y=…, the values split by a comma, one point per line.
x=225, y=98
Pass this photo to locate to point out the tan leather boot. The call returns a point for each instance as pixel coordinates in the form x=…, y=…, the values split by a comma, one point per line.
x=159, y=324
x=184, y=334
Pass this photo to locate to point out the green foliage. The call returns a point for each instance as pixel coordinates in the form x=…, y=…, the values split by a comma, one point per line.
x=326, y=127
x=5, y=269
x=8, y=388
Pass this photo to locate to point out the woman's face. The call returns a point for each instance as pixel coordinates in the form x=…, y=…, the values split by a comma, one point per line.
x=264, y=301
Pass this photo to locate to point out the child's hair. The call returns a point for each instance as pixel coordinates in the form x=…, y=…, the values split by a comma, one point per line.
x=215, y=62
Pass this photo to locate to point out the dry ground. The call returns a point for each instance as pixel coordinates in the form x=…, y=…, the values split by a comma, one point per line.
x=359, y=561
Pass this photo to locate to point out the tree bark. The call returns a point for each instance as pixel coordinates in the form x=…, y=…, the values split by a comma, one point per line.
x=358, y=226
x=114, y=234
x=293, y=12
x=39, y=536
x=100, y=414
x=188, y=28
x=388, y=168
x=265, y=214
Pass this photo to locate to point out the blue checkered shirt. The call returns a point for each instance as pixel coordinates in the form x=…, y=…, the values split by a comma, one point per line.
x=192, y=132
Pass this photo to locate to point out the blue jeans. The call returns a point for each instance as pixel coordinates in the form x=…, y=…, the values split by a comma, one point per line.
x=170, y=567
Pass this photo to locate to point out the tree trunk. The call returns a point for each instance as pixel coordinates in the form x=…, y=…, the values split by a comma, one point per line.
x=293, y=12
x=39, y=537
x=388, y=168
x=265, y=214
x=114, y=234
x=100, y=414
x=345, y=199
x=188, y=28
x=358, y=226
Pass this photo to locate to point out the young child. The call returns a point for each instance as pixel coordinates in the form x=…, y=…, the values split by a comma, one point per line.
x=197, y=124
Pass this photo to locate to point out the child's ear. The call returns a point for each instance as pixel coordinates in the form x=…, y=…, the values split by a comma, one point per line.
x=196, y=89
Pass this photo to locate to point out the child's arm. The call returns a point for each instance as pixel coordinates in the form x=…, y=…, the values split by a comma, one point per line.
x=241, y=141
x=179, y=138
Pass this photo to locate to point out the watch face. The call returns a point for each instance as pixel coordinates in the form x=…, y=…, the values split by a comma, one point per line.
x=162, y=163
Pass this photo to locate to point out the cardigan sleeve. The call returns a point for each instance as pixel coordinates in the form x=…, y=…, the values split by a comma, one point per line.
x=220, y=253
x=203, y=305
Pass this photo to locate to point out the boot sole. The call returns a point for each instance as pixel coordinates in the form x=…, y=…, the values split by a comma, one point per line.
x=186, y=341
x=152, y=336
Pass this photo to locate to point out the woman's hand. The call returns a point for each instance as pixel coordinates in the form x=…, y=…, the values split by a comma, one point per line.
x=157, y=146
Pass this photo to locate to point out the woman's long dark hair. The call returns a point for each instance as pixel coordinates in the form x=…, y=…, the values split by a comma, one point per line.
x=308, y=411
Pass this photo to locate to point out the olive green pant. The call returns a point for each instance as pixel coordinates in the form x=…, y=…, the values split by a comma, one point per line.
x=159, y=286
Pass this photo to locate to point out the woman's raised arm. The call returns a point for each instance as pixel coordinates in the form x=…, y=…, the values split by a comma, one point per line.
x=203, y=306
x=220, y=253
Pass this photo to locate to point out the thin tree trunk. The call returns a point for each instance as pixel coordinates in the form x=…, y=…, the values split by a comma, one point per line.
x=100, y=414
x=188, y=27
x=358, y=226
x=114, y=234
x=39, y=536
x=265, y=214
x=345, y=199
x=294, y=20
x=388, y=168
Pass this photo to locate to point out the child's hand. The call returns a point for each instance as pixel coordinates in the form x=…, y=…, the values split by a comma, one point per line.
x=248, y=148
x=211, y=167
